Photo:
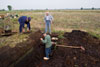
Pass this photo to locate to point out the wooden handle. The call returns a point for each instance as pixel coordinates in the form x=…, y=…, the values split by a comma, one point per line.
x=69, y=46
x=81, y=47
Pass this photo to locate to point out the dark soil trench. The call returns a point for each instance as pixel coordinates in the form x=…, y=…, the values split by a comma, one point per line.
x=61, y=56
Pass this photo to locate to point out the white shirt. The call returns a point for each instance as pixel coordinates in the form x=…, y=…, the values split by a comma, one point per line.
x=49, y=17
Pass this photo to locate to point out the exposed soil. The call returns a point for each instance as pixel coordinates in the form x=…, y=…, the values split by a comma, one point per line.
x=9, y=55
x=60, y=57
x=65, y=57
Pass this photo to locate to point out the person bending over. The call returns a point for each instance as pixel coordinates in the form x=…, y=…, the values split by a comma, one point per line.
x=22, y=21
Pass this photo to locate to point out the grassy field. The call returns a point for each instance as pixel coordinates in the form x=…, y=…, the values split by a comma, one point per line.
x=67, y=20
x=64, y=20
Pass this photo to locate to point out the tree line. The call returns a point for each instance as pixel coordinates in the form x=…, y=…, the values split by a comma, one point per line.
x=10, y=8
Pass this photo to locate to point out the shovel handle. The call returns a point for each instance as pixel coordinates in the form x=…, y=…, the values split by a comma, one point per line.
x=81, y=47
x=68, y=46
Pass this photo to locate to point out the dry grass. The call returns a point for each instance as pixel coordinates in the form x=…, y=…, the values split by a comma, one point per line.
x=64, y=20
x=12, y=40
x=69, y=20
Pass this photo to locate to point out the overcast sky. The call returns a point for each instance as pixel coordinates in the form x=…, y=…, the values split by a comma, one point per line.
x=50, y=4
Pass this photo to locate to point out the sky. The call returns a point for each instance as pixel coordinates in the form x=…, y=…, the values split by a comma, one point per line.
x=50, y=4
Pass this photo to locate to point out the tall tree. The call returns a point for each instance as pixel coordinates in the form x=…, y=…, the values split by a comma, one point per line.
x=93, y=8
x=9, y=7
x=81, y=8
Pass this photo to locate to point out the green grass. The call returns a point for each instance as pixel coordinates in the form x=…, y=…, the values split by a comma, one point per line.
x=60, y=33
x=94, y=34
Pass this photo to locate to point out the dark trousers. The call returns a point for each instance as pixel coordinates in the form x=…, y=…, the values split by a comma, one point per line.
x=21, y=27
x=28, y=25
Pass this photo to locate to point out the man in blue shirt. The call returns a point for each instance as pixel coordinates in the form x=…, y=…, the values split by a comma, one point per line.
x=24, y=20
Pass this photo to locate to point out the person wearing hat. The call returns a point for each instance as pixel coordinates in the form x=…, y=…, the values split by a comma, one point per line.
x=22, y=21
x=48, y=20
x=48, y=45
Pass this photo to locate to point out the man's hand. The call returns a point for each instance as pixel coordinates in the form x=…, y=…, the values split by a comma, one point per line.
x=41, y=38
x=28, y=30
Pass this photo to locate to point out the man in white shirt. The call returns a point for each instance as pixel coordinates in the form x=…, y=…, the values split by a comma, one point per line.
x=48, y=20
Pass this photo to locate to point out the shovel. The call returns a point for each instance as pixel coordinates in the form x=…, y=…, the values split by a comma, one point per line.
x=77, y=47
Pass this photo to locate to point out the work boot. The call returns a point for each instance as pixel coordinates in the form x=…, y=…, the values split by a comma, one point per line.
x=45, y=58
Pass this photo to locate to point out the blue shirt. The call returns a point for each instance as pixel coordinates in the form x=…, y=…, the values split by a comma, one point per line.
x=22, y=19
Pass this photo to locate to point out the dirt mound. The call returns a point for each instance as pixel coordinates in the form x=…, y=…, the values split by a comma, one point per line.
x=65, y=57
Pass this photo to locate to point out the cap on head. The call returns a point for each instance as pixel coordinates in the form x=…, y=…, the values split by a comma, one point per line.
x=29, y=18
x=43, y=33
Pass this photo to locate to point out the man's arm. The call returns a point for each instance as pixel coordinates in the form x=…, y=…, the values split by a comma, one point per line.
x=44, y=41
x=51, y=18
